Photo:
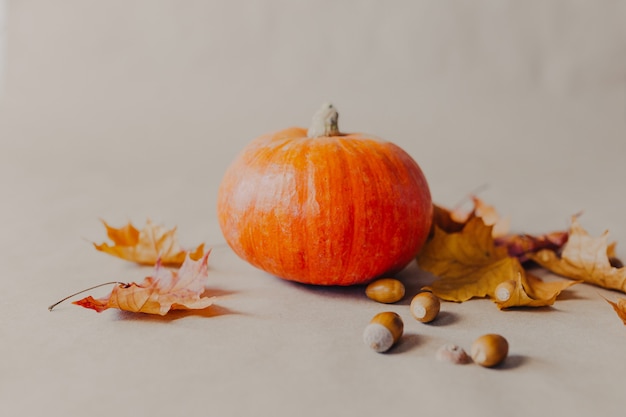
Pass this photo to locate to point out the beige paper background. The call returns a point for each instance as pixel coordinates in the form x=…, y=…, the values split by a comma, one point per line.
x=2, y=43
x=124, y=110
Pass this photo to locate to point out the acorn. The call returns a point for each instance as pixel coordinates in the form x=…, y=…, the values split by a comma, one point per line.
x=425, y=307
x=383, y=331
x=489, y=350
x=505, y=290
x=385, y=290
x=453, y=354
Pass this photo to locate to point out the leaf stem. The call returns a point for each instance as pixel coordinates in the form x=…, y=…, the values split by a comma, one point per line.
x=85, y=290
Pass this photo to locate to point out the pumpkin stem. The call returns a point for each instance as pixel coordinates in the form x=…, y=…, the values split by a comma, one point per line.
x=324, y=122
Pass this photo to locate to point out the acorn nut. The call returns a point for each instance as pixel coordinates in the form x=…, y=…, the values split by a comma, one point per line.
x=489, y=350
x=505, y=289
x=383, y=331
x=385, y=290
x=452, y=353
x=425, y=307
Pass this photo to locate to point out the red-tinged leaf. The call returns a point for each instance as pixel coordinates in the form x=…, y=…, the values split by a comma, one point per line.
x=517, y=245
x=166, y=290
x=522, y=245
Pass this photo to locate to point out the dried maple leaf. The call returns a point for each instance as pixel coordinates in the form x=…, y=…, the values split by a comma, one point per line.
x=486, y=212
x=584, y=258
x=529, y=291
x=468, y=264
x=443, y=219
x=518, y=245
x=619, y=307
x=146, y=246
x=166, y=290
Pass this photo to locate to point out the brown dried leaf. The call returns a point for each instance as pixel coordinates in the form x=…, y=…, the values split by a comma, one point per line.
x=531, y=291
x=468, y=264
x=584, y=258
x=442, y=218
x=166, y=290
x=147, y=246
x=486, y=212
x=518, y=245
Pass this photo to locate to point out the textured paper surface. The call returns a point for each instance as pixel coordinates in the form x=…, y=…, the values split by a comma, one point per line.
x=124, y=110
x=2, y=44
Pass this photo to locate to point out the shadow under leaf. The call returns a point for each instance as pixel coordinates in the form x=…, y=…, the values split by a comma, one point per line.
x=211, y=311
x=217, y=292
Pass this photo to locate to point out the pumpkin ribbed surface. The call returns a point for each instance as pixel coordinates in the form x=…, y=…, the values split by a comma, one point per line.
x=334, y=210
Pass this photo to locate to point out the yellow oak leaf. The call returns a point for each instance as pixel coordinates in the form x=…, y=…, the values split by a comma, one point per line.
x=584, y=258
x=148, y=245
x=619, y=307
x=468, y=264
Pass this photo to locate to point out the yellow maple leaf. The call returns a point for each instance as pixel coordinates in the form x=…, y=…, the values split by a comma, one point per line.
x=468, y=264
x=584, y=258
x=148, y=245
x=487, y=212
x=529, y=291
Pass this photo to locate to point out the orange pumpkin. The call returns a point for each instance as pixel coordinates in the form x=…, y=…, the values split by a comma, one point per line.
x=323, y=207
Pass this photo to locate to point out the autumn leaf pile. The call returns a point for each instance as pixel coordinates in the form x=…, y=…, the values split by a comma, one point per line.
x=165, y=289
x=473, y=255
